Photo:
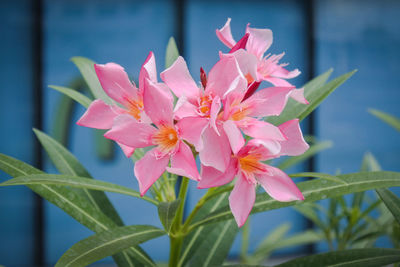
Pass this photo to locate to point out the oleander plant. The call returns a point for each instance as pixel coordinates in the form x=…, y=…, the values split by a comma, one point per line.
x=223, y=132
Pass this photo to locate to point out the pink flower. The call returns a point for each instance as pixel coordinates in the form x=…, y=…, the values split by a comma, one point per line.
x=247, y=165
x=198, y=107
x=118, y=87
x=165, y=136
x=255, y=66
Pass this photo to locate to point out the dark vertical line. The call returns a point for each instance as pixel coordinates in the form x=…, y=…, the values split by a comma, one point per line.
x=37, y=71
x=180, y=25
x=309, y=6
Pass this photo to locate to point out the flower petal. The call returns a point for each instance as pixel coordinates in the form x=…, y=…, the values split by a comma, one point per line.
x=128, y=151
x=234, y=135
x=148, y=71
x=225, y=35
x=268, y=101
x=295, y=144
x=216, y=151
x=281, y=72
x=259, y=41
x=261, y=129
x=279, y=185
x=298, y=95
x=149, y=168
x=247, y=63
x=183, y=108
x=158, y=104
x=191, y=129
x=126, y=130
x=211, y=177
x=116, y=83
x=241, y=199
x=225, y=76
x=178, y=78
x=215, y=108
x=183, y=163
x=99, y=115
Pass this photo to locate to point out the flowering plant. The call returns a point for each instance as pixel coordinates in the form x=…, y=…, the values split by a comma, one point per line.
x=229, y=122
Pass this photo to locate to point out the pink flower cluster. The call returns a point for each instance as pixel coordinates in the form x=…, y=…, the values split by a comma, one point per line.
x=210, y=118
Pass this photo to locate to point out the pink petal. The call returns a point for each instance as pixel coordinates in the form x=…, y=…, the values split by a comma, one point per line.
x=183, y=163
x=241, y=199
x=116, y=83
x=298, y=95
x=158, y=104
x=128, y=131
x=269, y=149
x=215, y=108
x=149, y=168
x=295, y=144
x=261, y=129
x=225, y=35
x=279, y=185
x=99, y=115
x=225, y=77
x=211, y=177
x=259, y=41
x=178, y=78
x=247, y=62
x=148, y=71
x=216, y=151
x=128, y=151
x=191, y=129
x=268, y=102
x=234, y=135
x=283, y=73
x=184, y=108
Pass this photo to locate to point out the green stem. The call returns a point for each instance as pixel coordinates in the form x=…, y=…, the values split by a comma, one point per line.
x=176, y=237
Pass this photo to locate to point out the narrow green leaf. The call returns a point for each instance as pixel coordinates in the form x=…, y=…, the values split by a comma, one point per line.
x=315, y=93
x=303, y=238
x=75, y=95
x=319, y=175
x=193, y=248
x=391, y=201
x=369, y=163
x=75, y=181
x=166, y=212
x=171, y=53
x=86, y=67
x=386, y=117
x=67, y=163
x=71, y=203
x=294, y=108
x=310, y=213
x=107, y=243
x=351, y=258
x=316, y=190
x=312, y=151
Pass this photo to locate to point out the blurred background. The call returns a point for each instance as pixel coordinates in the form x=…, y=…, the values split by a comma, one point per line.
x=40, y=36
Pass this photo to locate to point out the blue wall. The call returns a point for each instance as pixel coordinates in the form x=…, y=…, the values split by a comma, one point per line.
x=348, y=35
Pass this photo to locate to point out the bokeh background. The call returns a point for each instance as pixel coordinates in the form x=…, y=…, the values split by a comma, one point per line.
x=39, y=37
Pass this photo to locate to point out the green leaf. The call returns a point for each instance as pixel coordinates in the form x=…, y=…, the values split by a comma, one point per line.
x=351, y=258
x=72, y=203
x=67, y=163
x=370, y=163
x=302, y=238
x=166, y=212
x=323, y=176
x=315, y=92
x=315, y=190
x=75, y=95
x=312, y=151
x=193, y=249
x=391, y=201
x=75, y=181
x=386, y=117
x=171, y=53
x=86, y=67
x=310, y=213
x=107, y=243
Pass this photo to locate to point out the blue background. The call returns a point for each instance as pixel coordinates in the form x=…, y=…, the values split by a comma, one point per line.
x=349, y=34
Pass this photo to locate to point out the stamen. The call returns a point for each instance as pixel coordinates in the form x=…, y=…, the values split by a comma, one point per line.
x=166, y=138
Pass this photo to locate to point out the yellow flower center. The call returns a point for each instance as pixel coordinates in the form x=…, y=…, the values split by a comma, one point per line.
x=205, y=105
x=251, y=163
x=166, y=138
x=135, y=108
x=249, y=78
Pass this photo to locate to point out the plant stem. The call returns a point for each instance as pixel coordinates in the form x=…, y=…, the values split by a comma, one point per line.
x=176, y=237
